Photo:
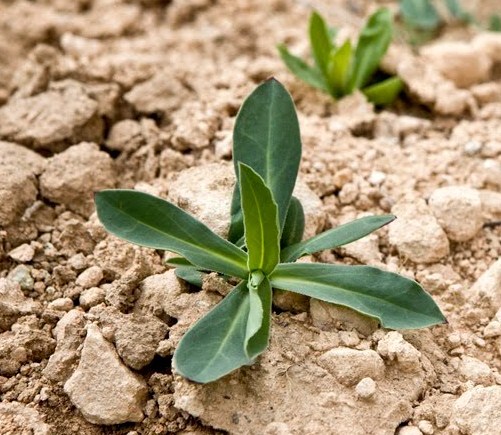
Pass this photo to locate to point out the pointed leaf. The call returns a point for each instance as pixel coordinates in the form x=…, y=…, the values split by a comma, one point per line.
x=149, y=221
x=320, y=41
x=214, y=346
x=190, y=274
x=260, y=221
x=338, y=70
x=384, y=92
x=258, y=326
x=294, y=224
x=372, y=44
x=266, y=138
x=302, y=70
x=335, y=237
x=177, y=261
x=398, y=302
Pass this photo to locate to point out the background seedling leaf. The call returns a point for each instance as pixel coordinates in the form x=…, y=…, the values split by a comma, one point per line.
x=338, y=69
x=420, y=14
x=302, y=70
x=398, y=302
x=335, y=237
x=266, y=138
x=294, y=224
x=320, y=41
x=149, y=221
x=214, y=346
x=372, y=44
x=384, y=92
x=262, y=236
x=258, y=326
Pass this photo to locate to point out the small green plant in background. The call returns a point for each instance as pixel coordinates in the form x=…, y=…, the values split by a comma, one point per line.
x=266, y=230
x=339, y=71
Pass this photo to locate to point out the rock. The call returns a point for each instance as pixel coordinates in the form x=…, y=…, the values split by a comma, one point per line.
x=409, y=430
x=52, y=120
x=493, y=329
x=366, y=388
x=489, y=43
x=328, y=317
x=460, y=62
x=23, y=253
x=72, y=177
x=491, y=204
x=458, y=210
x=90, y=277
x=91, y=297
x=487, y=289
x=21, y=158
x=476, y=412
x=393, y=347
x=22, y=275
x=23, y=345
x=417, y=234
x=350, y=366
x=18, y=190
x=290, y=301
x=21, y=419
x=69, y=334
x=476, y=371
x=206, y=192
x=61, y=304
x=103, y=389
x=13, y=304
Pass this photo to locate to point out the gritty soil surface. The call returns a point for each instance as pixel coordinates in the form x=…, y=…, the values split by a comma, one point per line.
x=143, y=94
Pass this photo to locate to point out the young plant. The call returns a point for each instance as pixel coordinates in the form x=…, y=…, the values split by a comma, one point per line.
x=266, y=228
x=339, y=71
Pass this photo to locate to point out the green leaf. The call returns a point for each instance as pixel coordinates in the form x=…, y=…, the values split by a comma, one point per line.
x=177, y=261
x=372, y=44
x=397, y=302
x=495, y=23
x=258, y=325
x=420, y=14
x=338, y=69
x=266, y=138
x=320, y=41
x=457, y=11
x=149, y=221
x=384, y=92
x=335, y=237
x=262, y=236
x=302, y=70
x=190, y=274
x=294, y=224
x=214, y=346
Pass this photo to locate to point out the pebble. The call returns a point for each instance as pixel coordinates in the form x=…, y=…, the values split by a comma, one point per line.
x=458, y=210
x=488, y=287
x=23, y=253
x=92, y=297
x=61, y=304
x=409, y=430
x=376, y=178
x=475, y=370
x=493, y=329
x=366, y=388
x=426, y=427
x=90, y=277
x=394, y=348
x=21, y=274
x=472, y=147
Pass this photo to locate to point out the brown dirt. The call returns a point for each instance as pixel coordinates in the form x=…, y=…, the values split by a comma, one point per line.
x=102, y=93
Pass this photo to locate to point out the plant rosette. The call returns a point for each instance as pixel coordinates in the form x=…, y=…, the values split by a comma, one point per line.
x=265, y=240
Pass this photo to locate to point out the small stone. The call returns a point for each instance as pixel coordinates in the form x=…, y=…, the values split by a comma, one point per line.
x=61, y=304
x=458, y=210
x=426, y=427
x=376, y=178
x=90, y=277
x=103, y=389
x=493, y=329
x=409, y=430
x=476, y=371
x=22, y=275
x=366, y=388
x=488, y=288
x=349, y=338
x=417, y=234
x=477, y=410
x=91, y=297
x=393, y=347
x=349, y=366
x=472, y=147
x=13, y=304
x=23, y=253
x=290, y=301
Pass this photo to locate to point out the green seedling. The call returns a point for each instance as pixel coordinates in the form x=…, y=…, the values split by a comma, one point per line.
x=339, y=71
x=265, y=240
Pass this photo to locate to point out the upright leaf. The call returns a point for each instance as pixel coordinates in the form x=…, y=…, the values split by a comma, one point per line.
x=398, y=302
x=335, y=237
x=294, y=224
x=302, y=70
x=262, y=236
x=384, y=92
x=149, y=221
x=338, y=69
x=215, y=345
x=372, y=44
x=320, y=41
x=420, y=14
x=258, y=325
x=266, y=138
